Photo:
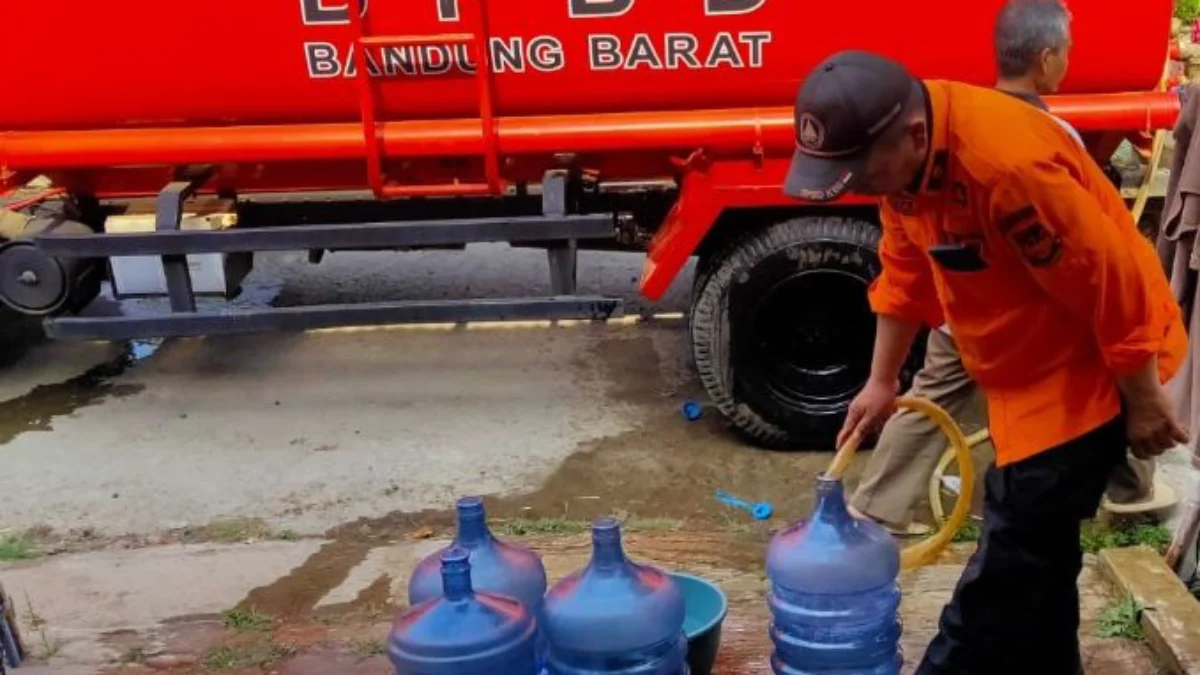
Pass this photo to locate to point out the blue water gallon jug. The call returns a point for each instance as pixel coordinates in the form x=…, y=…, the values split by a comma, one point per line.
x=462, y=632
x=614, y=617
x=834, y=598
x=496, y=566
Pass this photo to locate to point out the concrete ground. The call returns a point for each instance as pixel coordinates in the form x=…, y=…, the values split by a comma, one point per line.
x=298, y=477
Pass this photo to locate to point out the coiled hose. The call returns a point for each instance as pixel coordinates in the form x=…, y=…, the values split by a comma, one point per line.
x=927, y=550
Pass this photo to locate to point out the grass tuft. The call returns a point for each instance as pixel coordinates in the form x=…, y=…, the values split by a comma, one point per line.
x=1122, y=619
x=246, y=620
x=968, y=533
x=525, y=527
x=368, y=648
x=229, y=531
x=18, y=547
x=254, y=655
x=1095, y=538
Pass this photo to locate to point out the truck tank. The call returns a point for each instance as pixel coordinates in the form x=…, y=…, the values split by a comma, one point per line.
x=662, y=126
x=139, y=63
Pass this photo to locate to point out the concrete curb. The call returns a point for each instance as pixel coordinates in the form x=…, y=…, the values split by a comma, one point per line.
x=1172, y=616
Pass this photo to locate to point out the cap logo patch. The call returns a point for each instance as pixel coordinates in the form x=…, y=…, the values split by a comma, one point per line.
x=812, y=132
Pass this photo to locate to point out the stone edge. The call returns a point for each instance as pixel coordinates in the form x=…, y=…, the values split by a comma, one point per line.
x=1172, y=617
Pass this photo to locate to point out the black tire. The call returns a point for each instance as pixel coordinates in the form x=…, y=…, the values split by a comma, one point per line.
x=781, y=330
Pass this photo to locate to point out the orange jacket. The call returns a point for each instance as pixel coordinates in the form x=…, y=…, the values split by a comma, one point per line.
x=1066, y=293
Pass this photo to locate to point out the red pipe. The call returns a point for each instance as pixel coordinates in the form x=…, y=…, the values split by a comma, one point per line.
x=38, y=198
x=1147, y=111
x=733, y=131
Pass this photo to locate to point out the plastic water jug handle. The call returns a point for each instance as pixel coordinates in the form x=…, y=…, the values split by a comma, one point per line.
x=925, y=551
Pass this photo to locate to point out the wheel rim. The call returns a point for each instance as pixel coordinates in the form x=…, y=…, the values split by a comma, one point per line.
x=807, y=339
x=30, y=281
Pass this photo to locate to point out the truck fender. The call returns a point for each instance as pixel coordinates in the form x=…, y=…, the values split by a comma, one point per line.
x=708, y=189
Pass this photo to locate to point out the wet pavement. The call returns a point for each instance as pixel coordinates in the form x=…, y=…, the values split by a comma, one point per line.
x=375, y=430
x=298, y=477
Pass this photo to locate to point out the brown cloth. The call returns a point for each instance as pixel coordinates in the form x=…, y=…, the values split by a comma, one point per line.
x=1180, y=256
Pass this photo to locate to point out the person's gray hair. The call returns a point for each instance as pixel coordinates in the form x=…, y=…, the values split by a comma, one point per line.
x=1024, y=29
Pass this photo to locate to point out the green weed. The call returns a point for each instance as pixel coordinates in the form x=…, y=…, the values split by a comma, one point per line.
x=1187, y=10
x=229, y=531
x=18, y=547
x=48, y=646
x=968, y=533
x=246, y=620
x=1095, y=538
x=368, y=648
x=524, y=527
x=254, y=655
x=651, y=524
x=1122, y=619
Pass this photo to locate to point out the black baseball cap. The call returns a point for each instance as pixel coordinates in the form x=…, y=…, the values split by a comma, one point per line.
x=845, y=104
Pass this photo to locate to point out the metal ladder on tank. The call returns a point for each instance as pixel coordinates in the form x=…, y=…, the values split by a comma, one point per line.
x=476, y=45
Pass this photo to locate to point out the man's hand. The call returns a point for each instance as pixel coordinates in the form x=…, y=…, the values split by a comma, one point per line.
x=868, y=411
x=1151, y=427
x=877, y=401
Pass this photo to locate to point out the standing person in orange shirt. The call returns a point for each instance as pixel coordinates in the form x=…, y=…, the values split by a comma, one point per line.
x=998, y=223
x=1032, y=42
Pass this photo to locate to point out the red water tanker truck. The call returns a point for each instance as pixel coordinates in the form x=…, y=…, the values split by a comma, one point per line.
x=179, y=139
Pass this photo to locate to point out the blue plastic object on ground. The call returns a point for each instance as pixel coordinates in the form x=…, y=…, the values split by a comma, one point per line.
x=834, y=597
x=760, y=510
x=464, y=632
x=496, y=566
x=692, y=411
x=614, y=617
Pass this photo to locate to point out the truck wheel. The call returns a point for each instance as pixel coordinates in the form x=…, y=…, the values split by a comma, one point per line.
x=781, y=330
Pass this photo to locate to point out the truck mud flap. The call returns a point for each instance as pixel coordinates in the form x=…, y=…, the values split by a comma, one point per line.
x=193, y=324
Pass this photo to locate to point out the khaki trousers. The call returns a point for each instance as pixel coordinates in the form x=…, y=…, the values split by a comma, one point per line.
x=910, y=445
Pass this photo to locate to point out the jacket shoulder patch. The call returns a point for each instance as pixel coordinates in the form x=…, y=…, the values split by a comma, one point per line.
x=1039, y=246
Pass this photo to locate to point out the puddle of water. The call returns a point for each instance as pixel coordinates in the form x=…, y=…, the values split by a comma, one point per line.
x=296, y=594
x=37, y=410
x=663, y=472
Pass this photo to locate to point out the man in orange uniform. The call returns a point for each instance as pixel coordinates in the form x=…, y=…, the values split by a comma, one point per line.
x=996, y=222
x=1032, y=41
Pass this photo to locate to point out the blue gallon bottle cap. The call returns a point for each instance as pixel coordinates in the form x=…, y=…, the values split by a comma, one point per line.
x=472, y=522
x=456, y=575
x=606, y=543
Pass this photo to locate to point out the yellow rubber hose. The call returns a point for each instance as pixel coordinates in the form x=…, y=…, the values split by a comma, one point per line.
x=1143, y=194
x=925, y=551
x=935, y=480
